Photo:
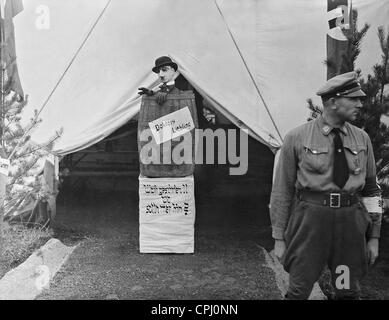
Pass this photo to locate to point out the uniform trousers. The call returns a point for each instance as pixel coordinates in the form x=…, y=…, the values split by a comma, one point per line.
x=317, y=236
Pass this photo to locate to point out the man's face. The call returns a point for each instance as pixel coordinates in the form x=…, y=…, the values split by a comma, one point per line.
x=166, y=74
x=347, y=108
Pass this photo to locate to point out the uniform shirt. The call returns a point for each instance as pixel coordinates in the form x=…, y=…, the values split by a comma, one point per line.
x=306, y=162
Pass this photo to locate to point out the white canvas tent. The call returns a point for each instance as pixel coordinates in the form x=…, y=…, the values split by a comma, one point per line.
x=114, y=43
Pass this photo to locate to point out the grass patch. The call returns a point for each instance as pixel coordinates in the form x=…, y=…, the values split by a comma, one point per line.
x=18, y=243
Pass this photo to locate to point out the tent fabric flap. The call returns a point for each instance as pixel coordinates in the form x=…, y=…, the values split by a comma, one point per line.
x=281, y=42
x=99, y=91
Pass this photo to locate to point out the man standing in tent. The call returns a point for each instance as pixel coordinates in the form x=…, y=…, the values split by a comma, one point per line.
x=325, y=202
x=166, y=70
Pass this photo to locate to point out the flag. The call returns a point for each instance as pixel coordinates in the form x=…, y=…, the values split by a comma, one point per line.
x=13, y=7
x=339, y=23
x=8, y=10
x=11, y=74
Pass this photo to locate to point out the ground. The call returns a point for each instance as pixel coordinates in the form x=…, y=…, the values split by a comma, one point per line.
x=227, y=264
x=18, y=243
x=376, y=283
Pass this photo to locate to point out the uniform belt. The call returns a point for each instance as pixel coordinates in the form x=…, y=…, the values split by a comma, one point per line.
x=333, y=199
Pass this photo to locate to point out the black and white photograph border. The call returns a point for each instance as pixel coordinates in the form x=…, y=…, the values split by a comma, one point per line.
x=165, y=150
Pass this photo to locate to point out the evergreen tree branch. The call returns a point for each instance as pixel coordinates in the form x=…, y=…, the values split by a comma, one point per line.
x=384, y=43
x=27, y=131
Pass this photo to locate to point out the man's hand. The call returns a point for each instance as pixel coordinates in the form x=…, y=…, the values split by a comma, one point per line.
x=146, y=91
x=279, y=248
x=161, y=97
x=372, y=250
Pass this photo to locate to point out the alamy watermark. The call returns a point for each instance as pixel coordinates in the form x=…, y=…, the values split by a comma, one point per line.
x=204, y=140
x=42, y=21
x=343, y=280
x=42, y=280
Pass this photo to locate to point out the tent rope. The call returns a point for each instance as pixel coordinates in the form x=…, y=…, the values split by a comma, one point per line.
x=74, y=57
x=60, y=79
x=248, y=70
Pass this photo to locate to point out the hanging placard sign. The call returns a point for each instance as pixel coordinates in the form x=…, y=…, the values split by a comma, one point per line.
x=172, y=125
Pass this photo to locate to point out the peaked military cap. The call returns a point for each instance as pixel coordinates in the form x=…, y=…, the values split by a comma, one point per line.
x=343, y=85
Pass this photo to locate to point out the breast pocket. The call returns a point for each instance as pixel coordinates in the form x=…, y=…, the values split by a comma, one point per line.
x=315, y=159
x=356, y=157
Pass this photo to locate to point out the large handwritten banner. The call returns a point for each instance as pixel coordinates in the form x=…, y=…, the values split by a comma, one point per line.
x=166, y=215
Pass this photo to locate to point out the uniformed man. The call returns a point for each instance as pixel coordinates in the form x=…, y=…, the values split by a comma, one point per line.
x=325, y=202
x=167, y=71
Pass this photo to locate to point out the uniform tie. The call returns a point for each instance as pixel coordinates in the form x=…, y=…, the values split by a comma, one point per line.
x=341, y=174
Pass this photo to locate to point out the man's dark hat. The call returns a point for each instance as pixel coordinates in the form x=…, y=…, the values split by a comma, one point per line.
x=164, y=61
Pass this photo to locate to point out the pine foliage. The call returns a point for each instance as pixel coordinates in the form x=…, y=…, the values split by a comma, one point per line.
x=375, y=108
x=376, y=105
x=24, y=185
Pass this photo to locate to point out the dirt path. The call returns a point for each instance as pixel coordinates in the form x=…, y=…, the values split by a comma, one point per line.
x=222, y=268
x=227, y=264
